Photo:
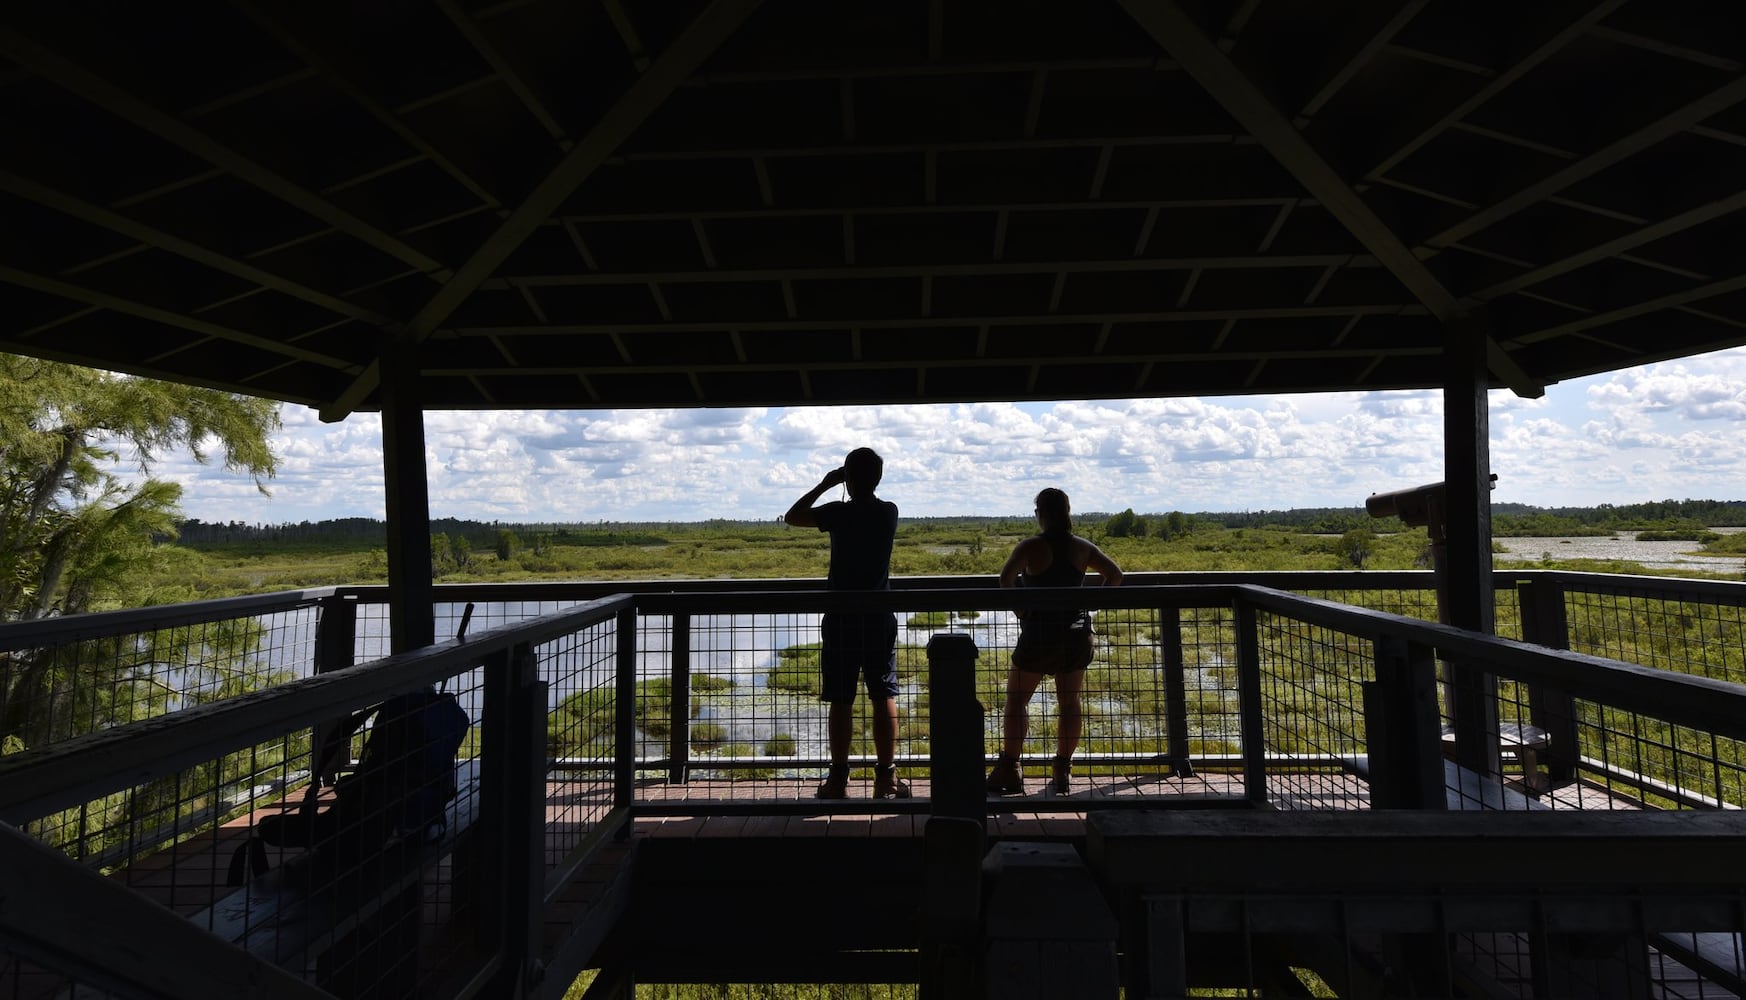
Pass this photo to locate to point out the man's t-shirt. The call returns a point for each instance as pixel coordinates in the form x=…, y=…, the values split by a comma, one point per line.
x=862, y=532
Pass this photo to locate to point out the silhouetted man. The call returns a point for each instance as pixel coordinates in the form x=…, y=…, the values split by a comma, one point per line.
x=859, y=646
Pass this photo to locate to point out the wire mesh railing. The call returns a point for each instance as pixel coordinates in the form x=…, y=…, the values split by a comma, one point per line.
x=379, y=859
x=709, y=700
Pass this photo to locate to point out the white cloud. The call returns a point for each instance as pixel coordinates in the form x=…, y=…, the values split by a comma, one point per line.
x=1662, y=430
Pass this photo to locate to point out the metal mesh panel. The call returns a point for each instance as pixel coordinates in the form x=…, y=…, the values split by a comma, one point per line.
x=93, y=678
x=1661, y=629
x=1312, y=710
x=581, y=739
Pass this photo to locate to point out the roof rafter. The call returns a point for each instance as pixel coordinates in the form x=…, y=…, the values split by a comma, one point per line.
x=105, y=300
x=1568, y=28
x=1620, y=149
x=1615, y=247
x=1360, y=49
x=148, y=236
x=1075, y=359
x=937, y=321
x=344, y=74
x=70, y=76
x=494, y=57
x=1121, y=264
x=681, y=58
x=1226, y=84
x=1690, y=295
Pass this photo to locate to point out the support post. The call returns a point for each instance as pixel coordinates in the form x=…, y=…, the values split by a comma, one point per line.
x=679, y=722
x=1175, y=693
x=624, y=785
x=1467, y=480
x=411, y=593
x=1249, y=704
x=1545, y=622
x=955, y=836
x=1402, y=730
x=959, y=751
x=335, y=649
x=512, y=798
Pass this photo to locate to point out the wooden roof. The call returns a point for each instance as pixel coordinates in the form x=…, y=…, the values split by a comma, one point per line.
x=616, y=203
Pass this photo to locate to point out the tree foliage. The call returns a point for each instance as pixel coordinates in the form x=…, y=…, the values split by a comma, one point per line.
x=72, y=523
x=79, y=510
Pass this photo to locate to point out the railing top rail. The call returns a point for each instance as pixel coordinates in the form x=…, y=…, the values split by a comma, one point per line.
x=557, y=590
x=1705, y=703
x=101, y=624
x=957, y=599
x=1730, y=592
x=38, y=781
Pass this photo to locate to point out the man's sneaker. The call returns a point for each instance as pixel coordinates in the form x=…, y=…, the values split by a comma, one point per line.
x=887, y=785
x=836, y=786
x=1060, y=780
x=1004, y=777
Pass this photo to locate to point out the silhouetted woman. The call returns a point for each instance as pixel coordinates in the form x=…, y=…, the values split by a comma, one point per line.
x=1050, y=642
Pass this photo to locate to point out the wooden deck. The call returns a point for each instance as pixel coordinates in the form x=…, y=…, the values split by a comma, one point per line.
x=190, y=878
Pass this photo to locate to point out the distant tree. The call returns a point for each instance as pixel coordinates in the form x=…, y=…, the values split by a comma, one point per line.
x=442, y=555
x=1121, y=525
x=507, y=545
x=1355, y=546
x=463, y=552
x=1175, y=525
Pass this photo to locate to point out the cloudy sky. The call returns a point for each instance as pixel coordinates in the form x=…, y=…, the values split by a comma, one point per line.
x=1674, y=430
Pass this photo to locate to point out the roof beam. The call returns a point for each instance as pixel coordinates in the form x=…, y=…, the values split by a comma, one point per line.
x=1354, y=57
x=680, y=59
x=1614, y=152
x=117, y=101
x=934, y=322
x=1178, y=35
x=796, y=212
x=921, y=147
x=47, y=197
x=1075, y=359
x=1123, y=264
x=1690, y=295
x=104, y=300
x=346, y=74
x=1568, y=29
x=517, y=84
x=1613, y=248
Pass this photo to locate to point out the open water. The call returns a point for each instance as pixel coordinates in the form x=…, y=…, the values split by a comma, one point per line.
x=1624, y=545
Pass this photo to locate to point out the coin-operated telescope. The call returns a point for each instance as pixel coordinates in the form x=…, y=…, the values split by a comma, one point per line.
x=1422, y=507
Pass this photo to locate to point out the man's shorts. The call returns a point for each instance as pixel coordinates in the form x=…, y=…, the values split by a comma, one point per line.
x=859, y=649
x=1053, y=652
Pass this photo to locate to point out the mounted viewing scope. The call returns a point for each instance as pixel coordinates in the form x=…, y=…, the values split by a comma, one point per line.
x=1412, y=505
x=1416, y=506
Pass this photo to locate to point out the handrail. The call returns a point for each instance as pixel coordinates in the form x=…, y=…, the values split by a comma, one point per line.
x=99, y=624
x=1702, y=702
x=38, y=781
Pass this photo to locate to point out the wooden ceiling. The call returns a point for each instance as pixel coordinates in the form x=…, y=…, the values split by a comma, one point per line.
x=617, y=203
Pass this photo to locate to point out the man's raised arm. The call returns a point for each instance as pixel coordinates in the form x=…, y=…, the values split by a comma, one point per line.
x=800, y=515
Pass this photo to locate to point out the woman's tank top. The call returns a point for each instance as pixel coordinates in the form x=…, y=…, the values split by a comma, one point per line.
x=1061, y=573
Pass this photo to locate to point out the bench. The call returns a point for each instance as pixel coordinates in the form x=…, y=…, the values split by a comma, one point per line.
x=330, y=926
x=1523, y=743
x=1464, y=790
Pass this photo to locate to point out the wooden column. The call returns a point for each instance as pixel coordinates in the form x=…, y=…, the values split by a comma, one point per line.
x=1467, y=577
x=411, y=595
x=1467, y=476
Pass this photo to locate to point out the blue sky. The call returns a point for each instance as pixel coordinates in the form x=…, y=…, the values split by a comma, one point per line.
x=1675, y=430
